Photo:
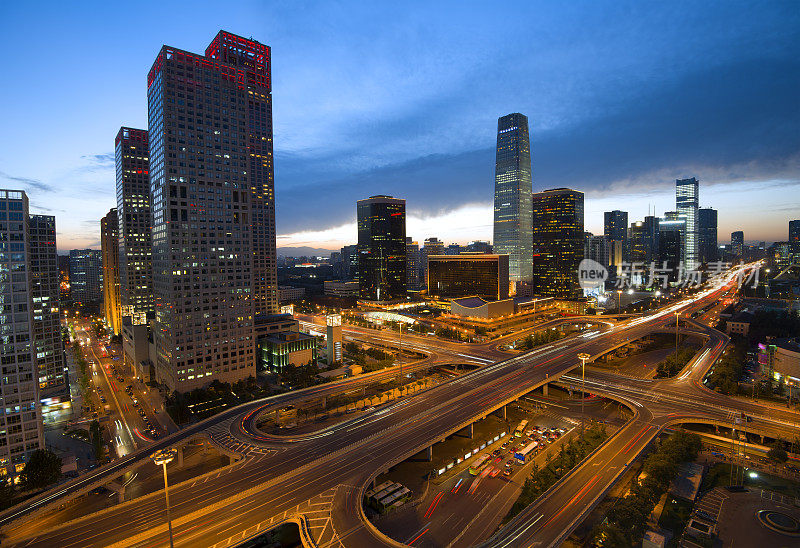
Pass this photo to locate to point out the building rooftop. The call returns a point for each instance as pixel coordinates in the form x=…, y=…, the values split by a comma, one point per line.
x=470, y=302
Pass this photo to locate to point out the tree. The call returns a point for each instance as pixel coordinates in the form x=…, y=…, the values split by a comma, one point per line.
x=777, y=453
x=42, y=469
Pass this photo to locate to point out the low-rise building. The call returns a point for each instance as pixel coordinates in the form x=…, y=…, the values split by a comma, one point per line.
x=339, y=288
x=288, y=293
x=786, y=359
x=739, y=324
x=476, y=307
x=280, y=343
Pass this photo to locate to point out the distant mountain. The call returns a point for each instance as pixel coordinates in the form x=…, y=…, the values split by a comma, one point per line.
x=303, y=252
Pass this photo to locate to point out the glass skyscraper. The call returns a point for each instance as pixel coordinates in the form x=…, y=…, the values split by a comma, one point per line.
x=687, y=200
x=708, y=249
x=109, y=249
x=382, y=248
x=557, y=242
x=512, y=196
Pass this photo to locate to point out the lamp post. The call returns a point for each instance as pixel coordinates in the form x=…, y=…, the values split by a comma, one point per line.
x=163, y=457
x=677, y=314
x=583, y=356
x=400, y=356
x=619, y=296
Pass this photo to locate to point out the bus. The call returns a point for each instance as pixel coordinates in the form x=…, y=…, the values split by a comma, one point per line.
x=382, y=494
x=395, y=499
x=520, y=429
x=371, y=492
x=527, y=452
x=479, y=464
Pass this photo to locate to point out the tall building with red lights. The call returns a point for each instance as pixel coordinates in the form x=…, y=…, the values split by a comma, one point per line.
x=213, y=209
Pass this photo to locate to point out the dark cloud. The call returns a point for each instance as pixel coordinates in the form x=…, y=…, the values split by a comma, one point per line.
x=98, y=162
x=27, y=182
x=731, y=121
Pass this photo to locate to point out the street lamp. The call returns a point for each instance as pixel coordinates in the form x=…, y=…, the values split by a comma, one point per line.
x=583, y=356
x=619, y=295
x=163, y=457
x=677, y=314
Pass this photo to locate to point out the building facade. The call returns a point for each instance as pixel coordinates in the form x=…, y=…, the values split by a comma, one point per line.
x=557, y=242
x=737, y=244
x=707, y=247
x=211, y=186
x=481, y=274
x=382, y=248
x=794, y=236
x=643, y=240
x=615, y=229
x=109, y=249
x=687, y=202
x=132, y=159
x=432, y=246
x=21, y=432
x=413, y=265
x=85, y=275
x=512, y=195
x=45, y=298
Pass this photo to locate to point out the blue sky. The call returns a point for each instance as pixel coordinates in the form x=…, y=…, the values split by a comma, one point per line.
x=403, y=98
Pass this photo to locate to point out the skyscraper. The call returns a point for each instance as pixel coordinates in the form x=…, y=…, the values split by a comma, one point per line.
x=109, y=249
x=133, y=215
x=707, y=235
x=643, y=240
x=557, y=242
x=737, y=244
x=794, y=236
x=85, y=275
x=382, y=248
x=480, y=274
x=412, y=264
x=615, y=229
x=45, y=297
x=22, y=432
x=432, y=246
x=687, y=200
x=211, y=186
x=512, y=196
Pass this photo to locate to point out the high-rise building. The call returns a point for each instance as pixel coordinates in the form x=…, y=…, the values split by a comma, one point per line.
x=85, y=275
x=512, y=196
x=22, y=431
x=615, y=229
x=212, y=206
x=794, y=236
x=454, y=249
x=432, y=246
x=643, y=240
x=597, y=248
x=134, y=222
x=350, y=262
x=687, y=202
x=479, y=247
x=707, y=247
x=45, y=298
x=557, y=242
x=109, y=249
x=670, y=249
x=382, y=248
x=737, y=244
x=413, y=265
x=478, y=274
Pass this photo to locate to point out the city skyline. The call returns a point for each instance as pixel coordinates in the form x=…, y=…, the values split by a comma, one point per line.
x=584, y=134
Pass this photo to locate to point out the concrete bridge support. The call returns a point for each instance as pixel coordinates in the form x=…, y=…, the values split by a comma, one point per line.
x=429, y=453
x=119, y=489
x=470, y=431
x=545, y=390
x=502, y=413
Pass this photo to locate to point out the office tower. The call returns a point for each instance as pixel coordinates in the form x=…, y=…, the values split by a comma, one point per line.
x=794, y=236
x=45, y=298
x=412, y=264
x=109, y=249
x=134, y=222
x=478, y=274
x=22, y=432
x=670, y=249
x=615, y=229
x=85, y=275
x=737, y=244
x=479, y=247
x=557, y=242
x=707, y=247
x=382, y=248
x=212, y=207
x=454, y=249
x=598, y=249
x=643, y=240
x=350, y=261
x=512, y=195
x=687, y=201
x=432, y=246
